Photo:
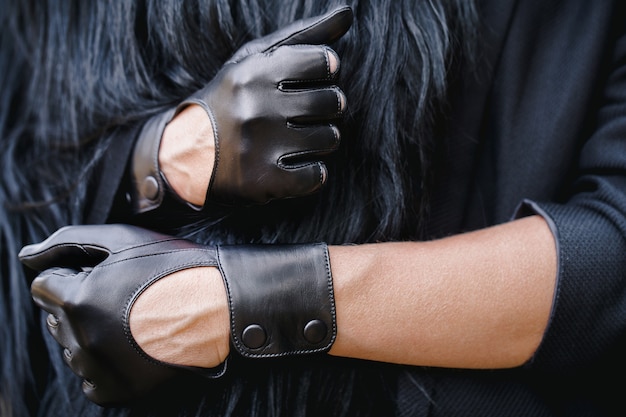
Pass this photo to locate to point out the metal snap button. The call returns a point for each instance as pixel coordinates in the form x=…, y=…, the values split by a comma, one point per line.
x=150, y=188
x=254, y=336
x=315, y=331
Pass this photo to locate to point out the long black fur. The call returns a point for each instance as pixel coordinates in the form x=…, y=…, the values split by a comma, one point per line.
x=73, y=74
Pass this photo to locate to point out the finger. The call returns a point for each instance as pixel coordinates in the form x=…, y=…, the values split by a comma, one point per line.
x=309, y=142
x=297, y=64
x=319, y=30
x=78, y=246
x=98, y=382
x=51, y=288
x=90, y=389
x=106, y=388
x=333, y=61
x=53, y=323
x=67, y=357
x=304, y=179
x=315, y=105
x=65, y=247
x=105, y=393
x=80, y=361
x=57, y=327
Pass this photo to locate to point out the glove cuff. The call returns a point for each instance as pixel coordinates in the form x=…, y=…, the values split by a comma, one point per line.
x=148, y=188
x=281, y=299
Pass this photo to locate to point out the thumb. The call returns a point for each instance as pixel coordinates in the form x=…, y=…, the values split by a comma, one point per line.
x=87, y=245
x=317, y=30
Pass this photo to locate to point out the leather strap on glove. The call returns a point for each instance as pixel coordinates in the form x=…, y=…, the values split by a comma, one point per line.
x=295, y=314
x=272, y=107
x=280, y=299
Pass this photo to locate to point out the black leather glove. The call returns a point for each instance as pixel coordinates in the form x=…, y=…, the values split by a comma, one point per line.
x=280, y=300
x=273, y=107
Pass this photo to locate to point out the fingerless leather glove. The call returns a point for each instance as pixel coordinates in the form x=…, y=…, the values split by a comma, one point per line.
x=280, y=299
x=273, y=107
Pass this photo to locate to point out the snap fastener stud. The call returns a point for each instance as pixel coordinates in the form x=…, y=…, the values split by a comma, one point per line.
x=254, y=336
x=315, y=331
x=150, y=187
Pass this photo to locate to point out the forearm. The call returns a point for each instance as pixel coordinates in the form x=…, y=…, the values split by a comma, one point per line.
x=475, y=300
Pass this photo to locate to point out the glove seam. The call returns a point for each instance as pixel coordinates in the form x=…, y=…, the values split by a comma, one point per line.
x=168, y=252
x=331, y=296
x=231, y=310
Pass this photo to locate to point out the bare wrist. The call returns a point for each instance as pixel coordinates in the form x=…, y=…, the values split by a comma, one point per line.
x=186, y=154
x=183, y=319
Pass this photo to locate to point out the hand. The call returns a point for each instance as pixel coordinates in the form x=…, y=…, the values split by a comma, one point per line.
x=92, y=278
x=269, y=117
x=269, y=131
x=96, y=279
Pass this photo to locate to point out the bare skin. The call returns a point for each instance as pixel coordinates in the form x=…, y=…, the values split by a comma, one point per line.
x=184, y=319
x=476, y=300
x=187, y=154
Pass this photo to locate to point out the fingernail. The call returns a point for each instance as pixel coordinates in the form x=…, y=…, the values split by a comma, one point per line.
x=52, y=321
x=342, y=101
x=333, y=61
x=88, y=384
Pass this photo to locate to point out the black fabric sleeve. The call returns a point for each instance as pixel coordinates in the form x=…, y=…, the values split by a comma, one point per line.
x=588, y=321
x=107, y=198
